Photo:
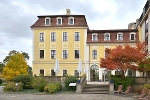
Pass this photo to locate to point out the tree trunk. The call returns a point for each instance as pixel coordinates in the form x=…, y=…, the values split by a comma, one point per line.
x=122, y=74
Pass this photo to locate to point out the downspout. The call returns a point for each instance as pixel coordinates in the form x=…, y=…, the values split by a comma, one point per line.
x=89, y=64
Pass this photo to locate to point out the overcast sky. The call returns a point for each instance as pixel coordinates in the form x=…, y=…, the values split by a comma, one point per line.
x=16, y=17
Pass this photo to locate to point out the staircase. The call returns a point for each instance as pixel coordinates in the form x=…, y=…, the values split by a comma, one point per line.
x=96, y=89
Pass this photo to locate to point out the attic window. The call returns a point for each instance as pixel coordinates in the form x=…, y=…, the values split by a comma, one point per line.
x=132, y=36
x=94, y=37
x=71, y=21
x=59, y=21
x=47, y=21
x=120, y=36
x=106, y=36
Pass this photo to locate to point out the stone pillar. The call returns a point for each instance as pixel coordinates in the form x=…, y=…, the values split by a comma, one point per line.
x=111, y=88
x=79, y=88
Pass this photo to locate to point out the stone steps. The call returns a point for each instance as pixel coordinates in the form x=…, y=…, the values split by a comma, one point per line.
x=96, y=89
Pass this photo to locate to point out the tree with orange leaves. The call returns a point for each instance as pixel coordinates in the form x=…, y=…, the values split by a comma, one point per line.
x=124, y=57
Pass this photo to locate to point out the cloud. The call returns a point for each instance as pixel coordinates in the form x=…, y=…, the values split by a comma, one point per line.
x=18, y=15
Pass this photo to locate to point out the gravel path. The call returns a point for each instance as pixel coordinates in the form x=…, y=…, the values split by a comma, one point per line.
x=15, y=96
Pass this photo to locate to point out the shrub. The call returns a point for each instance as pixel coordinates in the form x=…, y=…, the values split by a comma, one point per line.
x=41, y=87
x=25, y=79
x=146, y=86
x=123, y=81
x=52, y=87
x=11, y=86
x=38, y=82
x=68, y=80
x=1, y=81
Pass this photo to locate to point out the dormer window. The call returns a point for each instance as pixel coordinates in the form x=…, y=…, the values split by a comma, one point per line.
x=71, y=21
x=107, y=37
x=120, y=36
x=47, y=21
x=132, y=36
x=59, y=21
x=94, y=37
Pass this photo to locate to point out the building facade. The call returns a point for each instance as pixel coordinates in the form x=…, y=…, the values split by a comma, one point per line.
x=68, y=38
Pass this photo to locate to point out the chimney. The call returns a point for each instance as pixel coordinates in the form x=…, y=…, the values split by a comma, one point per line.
x=68, y=11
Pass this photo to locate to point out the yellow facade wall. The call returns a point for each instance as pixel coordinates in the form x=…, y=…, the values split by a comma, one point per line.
x=58, y=45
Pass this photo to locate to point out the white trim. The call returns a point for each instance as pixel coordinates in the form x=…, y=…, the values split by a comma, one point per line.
x=39, y=54
x=105, y=48
x=67, y=54
x=74, y=53
x=105, y=36
x=33, y=43
x=41, y=69
x=95, y=34
x=57, y=20
x=94, y=46
x=96, y=54
x=41, y=44
x=79, y=36
x=121, y=35
x=64, y=69
x=69, y=20
x=43, y=36
x=62, y=36
x=55, y=55
x=64, y=44
x=134, y=36
x=75, y=44
x=49, y=21
x=55, y=37
x=51, y=45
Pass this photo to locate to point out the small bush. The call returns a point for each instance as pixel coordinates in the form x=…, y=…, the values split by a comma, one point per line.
x=38, y=82
x=68, y=80
x=52, y=87
x=41, y=87
x=127, y=81
x=11, y=86
x=1, y=81
x=25, y=79
x=146, y=86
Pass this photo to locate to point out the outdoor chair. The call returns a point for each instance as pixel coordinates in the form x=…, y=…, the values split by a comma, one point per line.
x=147, y=97
x=127, y=91
x=142, y=94
x=119, y=90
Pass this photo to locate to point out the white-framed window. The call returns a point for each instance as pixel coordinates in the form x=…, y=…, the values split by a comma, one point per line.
x=76, y=73
x=77, y=36
x=94, y=37
x=65, y=54
x=41, y=53
x=65, y=72
x=53, y=54
x=53, y=36
x=52, y=72
x=119, y=36
x=41, y=37
x=94, y=54
x=105, y=53
x=107, y=37
x=59, y=21
x=76, y=53
x=71, y=20
x=65, y=36
x=47, y=21
x=132, y=36
x=41, y=72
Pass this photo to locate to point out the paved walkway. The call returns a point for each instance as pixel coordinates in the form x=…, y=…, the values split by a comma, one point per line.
x=15, y=96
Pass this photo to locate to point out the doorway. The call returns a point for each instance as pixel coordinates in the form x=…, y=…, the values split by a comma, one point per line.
x=94, y=73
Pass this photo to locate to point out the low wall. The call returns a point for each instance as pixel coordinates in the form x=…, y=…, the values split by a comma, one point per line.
x=140, y=81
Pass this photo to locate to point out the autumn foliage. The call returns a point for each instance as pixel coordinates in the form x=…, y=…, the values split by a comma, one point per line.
x=16, y=66
x=124, y=57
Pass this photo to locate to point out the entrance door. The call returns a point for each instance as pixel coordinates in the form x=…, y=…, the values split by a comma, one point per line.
x=94, y=70
x=52, y=72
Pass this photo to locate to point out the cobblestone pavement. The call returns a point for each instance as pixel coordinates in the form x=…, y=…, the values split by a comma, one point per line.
x=15, y=96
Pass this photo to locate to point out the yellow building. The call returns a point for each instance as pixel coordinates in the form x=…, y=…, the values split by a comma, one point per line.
x=68, y=38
